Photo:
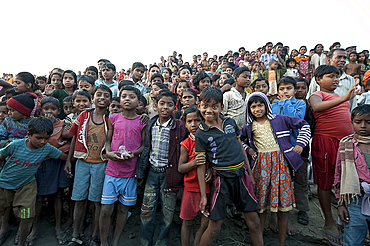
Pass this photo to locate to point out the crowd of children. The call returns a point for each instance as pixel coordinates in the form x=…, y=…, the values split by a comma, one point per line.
x=230, y=132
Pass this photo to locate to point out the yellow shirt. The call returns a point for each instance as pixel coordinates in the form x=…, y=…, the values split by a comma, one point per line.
x=95, y=141
x=263, y=137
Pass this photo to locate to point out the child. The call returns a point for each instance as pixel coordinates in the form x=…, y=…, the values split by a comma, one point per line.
x=54, y=83
x=273, y=75
x=68, y=105
x=178, y=89
x=217, y=140
x=10, y=93
x=184, y=73
x=50, y=176
x=234, y=101
x=271, y=156
x=188, y=166
x=256, y=70
x=304, y=63
x=224, y=76
x=15, y=126
x=92, y=72
x=352, y=66
x=158, y=163
x=70, y=84
x=352, y=178
x=141, y=106
x=17, y=177
x=108, y=71
x=201, y=81
x=365, y=97
x=3, y=112
x=124, y=129
x=24, y=82
x=260, y=85
x=115, y=106
x=138, y=70
x=86, y=82
x=215, y=79
x=90, y=129
x=333, y=122
x=188, y=99
x=41, y=82
x=156, y=88
x=291, y=71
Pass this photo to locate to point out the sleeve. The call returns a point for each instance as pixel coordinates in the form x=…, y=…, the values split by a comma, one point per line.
x=244, y=138
x=200, y=144
x=55, y=94
x=74, y=128
x=361, y=99
x=4, y=134
x=304, y=135
x=337, y=174
x=315, y=60
x=54, y=153
x=8, y=150
x=298, y=110
x=237, y=131
x=225, y=100
x=185, y=145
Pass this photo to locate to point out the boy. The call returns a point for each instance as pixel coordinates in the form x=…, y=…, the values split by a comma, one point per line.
x=115, y=106
x=158, y=163
x=3, y=112
x=273, y=75
x=108, y=71
x=352, y=178
x=92, y=72
x=217, y=139
x=234, y=101
x=261, y=85
x=17, y=178
x=86, y=82
x=138, y=70
x=352, y=66
x=89, y=132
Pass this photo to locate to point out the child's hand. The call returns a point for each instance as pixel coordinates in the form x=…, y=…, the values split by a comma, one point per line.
x=38, y=93
x=284, y=97
x=202, y=206
x=144, y=118
x=129, y=156
x=67, y=169
x=351, y=92
x=252, y=153
x=51, y=117
x=208, y=175
x=200, y=159
x=298, y=149
x=343, y=214
x=49, y=88
x=115, y=156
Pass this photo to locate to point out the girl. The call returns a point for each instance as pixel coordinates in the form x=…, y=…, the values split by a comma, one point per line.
x=271, y=151
x=318, y=58
x=362, y=60
x=188, y=99
x=166, y=73
x=70, y=85
x=304, y=63
x=156, y=88
x=291, y=71
x=178, y=90
x=41, y=82
x=54, y=83
x=215, y=80
x=185, y=73
x=294, y=53
x=188, y=166
x=201, y=81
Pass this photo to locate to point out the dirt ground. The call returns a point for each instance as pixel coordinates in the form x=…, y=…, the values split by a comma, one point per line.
x=234, y=230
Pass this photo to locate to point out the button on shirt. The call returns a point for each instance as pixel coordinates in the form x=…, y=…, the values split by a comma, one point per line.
x=160, y=143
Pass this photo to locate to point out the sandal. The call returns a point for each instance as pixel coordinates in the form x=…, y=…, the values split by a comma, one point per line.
x=75, y=242
x=4, y=236
x=330, y=237
x=302, y=218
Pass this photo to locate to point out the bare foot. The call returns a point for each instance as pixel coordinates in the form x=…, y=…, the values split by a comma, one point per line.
x=273, y=223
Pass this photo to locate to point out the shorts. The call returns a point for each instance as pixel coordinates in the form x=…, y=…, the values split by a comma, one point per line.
x=122, y=189
x=237, y=190
x=23, y=200
x=50, y=176
x=190, y=205
x=89, y=180
x=324, y=155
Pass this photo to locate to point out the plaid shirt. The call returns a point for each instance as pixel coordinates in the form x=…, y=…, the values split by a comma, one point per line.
x=266, y=58
x=160, y=143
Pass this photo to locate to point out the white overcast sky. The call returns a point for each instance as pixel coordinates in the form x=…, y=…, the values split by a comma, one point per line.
x=40, y=35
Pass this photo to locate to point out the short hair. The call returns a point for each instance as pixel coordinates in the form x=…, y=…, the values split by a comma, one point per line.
x=268, y=43
x=161, y=86
x=43, y=78
x=166, y=93
x=229, y=81
x=3, y=103
x=301, y=79
x=109, y=65
x=353, y=53
x=150, y=68
x=291, y=60
x=256, y=99
x=102, y=87
x=199, y=77
x=74, y=77
x=215, y=77
x=325, y=69
x=331, y=52
x=287, y=80
x=211, y=93
x=39, y=125
x=360, y=110
x=191, y=109
x=51, y=100
x=124, y=82
x=254, y=62
x=227, y=74
x=136, y=65
x=81, y=93
x=67, y=99
x=241, y=48
x=168, y=69
x=143, y=100
x=238, y=71
x=272, y=61
x=279, y=43
x=157, y=75
x=193, y=93
x=181, y=81
x=117, y=99
x=92, y=68
x=253, y=84
x=130, y=88
x=87, y=78
x=103, y=60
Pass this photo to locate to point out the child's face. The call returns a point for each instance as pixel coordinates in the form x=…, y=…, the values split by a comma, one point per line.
x=157, y=80
x=140, y=108
x=357, y=78
x=175, y=78
x=129, y=100
x=302, y=51
x=328, y=82
x=361, y=124
x=68, y=108
x=210, y=110
x=258, y=109
x=84, y=85
x=214, y=66
x=255, y=67
x=81, y=103
x=138, y=73
x=41, y=84
x=20, y=86
x=261, y=86
x=204, y=83
x=229, y=71
x=115, y=107
x=301, y=91
x=286, y=91
x=353, y=57
x=185, y=75
x=165, y=107
x=192, y=122
x=247, y=57
x=152, y=71
x=101, y=99
x=107, y=73
x=56, y=81
x=14, y=114
x=92, y=74
x=38, y=140
x=3, y=113
x=166, y=74
x=199, y=68
x=180, y=88
x=223, y=77
x=244, y=79
x=361, y=57
x=68, y=80
x=291, y=64
x=216, y=83
x=273, y=65
x=50, y=109
x=188, y=99
x=154, y=91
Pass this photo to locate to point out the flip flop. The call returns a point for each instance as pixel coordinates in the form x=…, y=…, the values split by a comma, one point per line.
x=4, y=236
x=328, y=235
x=302, y=218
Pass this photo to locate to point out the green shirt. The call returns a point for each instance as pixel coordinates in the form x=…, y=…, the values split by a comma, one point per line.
x=367, y=158
x=60, y=94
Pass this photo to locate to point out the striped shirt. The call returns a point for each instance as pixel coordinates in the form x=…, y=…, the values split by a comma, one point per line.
x=158, y=156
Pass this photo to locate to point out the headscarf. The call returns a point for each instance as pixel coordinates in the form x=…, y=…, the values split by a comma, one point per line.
x=249, y=117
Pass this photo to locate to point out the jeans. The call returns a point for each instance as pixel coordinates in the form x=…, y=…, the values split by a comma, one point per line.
x=155, y=189
x=355, y=231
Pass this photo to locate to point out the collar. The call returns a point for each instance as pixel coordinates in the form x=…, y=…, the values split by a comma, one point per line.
x=203, y=126
x=191, y=136
x=166, y=124
x=343, y=76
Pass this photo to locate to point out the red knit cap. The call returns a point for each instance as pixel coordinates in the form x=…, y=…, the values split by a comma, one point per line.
x=23, y=103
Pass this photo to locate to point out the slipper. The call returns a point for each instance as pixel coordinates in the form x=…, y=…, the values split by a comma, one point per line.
x=302, y=218
x=328, y=235
x=75, y=242
x=4, y=236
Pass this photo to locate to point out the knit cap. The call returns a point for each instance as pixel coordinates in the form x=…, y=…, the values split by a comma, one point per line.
x=23, y=103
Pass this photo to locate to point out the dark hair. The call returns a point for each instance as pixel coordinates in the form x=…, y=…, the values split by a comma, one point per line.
x=215, y=77
x=130, y=88
x=103, y=60
x=199, y=77
x=241, y=48
x=150, y=68
x=291, y=60
x=317, y=46
x=124, y=82
x=166, y=93
x=279, y=43
x=101, y=87
x=43, y=78
x=193, y=93
x=272, y=61
x=191, y=109
x=161, y=86
x=253, y=84
x=51, y=100
x=268, y=43
x=169, y=71
x=254, y=62
x=300, y=79
x=39, y=125
x=325, y=69
x=116, y=99
x=88, y=79
x=182, y=67
x=109, y=65
x=92, y=68
x=229, y=81
x=331, y=52
x=333, y=45
x=354, y=74
x=363, y=52
x=51, y=75
x=74, y=77
x=287, y=80
x=360, y=110
x=28, y=78
x=227, y=74
x=255, y=99
x=181, y=81
x=136, y=65
x=211, y=93
x=143, y=100
x=157, y=75
x=237, y=72
x=12, y=91
x=3, y=103
x=81, y=93
x=353, y=53
x=68, y=99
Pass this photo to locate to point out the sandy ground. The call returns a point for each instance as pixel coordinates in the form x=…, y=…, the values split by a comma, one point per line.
x=234, y=230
